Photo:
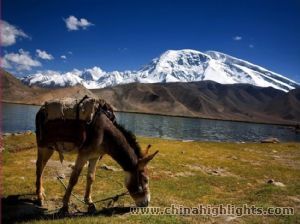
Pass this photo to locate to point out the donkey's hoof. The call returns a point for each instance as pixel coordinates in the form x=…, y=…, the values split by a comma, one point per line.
x=40, y=202
x=91, y=208
x=63, y=211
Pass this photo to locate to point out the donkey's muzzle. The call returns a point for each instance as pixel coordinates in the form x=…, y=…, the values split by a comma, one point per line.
x=144, y=203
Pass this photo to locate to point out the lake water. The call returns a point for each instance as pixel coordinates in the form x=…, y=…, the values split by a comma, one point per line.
x=18, y=118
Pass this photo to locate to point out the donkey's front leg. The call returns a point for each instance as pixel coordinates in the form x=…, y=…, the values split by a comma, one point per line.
x=80, y=161
x=90, y=178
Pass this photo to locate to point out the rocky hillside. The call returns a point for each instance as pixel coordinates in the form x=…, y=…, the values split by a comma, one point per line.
x=13, y=90
x=207, y=99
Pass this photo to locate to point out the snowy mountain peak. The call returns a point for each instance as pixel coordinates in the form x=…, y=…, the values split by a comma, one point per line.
x=176, y=66
x=187, y=58
x=92, y=74
x=185, y=65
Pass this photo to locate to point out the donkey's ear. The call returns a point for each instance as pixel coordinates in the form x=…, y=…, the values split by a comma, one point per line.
x=147, y=150
x=144, y=161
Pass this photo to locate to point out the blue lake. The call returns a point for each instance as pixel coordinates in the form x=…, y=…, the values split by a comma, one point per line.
x=18, y=118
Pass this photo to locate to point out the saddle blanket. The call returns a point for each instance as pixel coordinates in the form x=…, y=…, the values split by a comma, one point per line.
x=69, y=120
x=70, y=108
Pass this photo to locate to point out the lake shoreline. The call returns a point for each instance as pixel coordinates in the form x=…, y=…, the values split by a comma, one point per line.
x=258, y=141
x=180, y=116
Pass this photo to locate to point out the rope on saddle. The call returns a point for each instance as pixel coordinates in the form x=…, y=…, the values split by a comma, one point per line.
x=109, y=114
x=78, y=106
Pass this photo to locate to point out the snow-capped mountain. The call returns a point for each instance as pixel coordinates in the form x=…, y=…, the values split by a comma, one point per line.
x=172, y=66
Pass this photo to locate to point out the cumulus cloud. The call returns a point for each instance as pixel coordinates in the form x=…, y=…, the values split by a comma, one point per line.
x=44, y=55
x=237, y=38
x=63, y=57
x=73, y=23
x=251, y=46
x=19, y=61
x=10, y=34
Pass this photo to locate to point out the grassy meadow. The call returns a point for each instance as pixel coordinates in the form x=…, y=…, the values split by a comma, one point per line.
x=183, y=173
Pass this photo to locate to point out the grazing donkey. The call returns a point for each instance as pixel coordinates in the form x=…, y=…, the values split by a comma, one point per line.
x=102, y=136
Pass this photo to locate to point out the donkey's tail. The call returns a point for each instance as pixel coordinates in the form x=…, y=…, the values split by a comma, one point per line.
x=39, y=123
x=61, y=156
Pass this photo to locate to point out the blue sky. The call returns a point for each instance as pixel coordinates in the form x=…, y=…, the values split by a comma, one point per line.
x=125, y=35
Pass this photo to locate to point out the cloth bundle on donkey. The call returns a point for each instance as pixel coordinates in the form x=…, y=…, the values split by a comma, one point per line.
x=68, y=120
x=71, y=109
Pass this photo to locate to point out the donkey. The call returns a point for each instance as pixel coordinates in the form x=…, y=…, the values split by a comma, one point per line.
x=104, y=137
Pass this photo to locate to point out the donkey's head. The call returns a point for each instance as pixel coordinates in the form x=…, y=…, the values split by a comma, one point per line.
x=137, y=181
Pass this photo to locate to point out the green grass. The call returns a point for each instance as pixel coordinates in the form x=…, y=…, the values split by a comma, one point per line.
x=185, y=173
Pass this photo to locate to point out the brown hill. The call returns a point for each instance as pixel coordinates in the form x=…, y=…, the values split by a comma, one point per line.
x=14, y=91
x=206, y=99
x=286, y=106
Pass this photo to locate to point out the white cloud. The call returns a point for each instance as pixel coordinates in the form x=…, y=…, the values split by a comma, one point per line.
x=70, y=52
x=73, y=23
x=237, y=38
x=5, y=63
x=44, y=55
x=63, y=57
x=19, y=61
x=251, y=46
x=122, y=49
x=10, y=33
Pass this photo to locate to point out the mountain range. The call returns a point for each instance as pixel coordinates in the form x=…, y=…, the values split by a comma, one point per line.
x=204, y=99
x=172, y=66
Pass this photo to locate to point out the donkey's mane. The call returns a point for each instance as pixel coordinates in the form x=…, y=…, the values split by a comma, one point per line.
x=131, y=139
x=129, y=136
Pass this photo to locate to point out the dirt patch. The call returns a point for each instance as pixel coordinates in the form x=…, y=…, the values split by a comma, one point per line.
x=193, y=169
x=174, y=175
x=166, y=173
x=287, y=161
x=185, y=174
x=295, y=199
x=63, y=169
x=252, y=162
x=218, y=171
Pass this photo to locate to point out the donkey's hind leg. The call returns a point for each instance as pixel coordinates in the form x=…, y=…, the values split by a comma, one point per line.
x=43, y=156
